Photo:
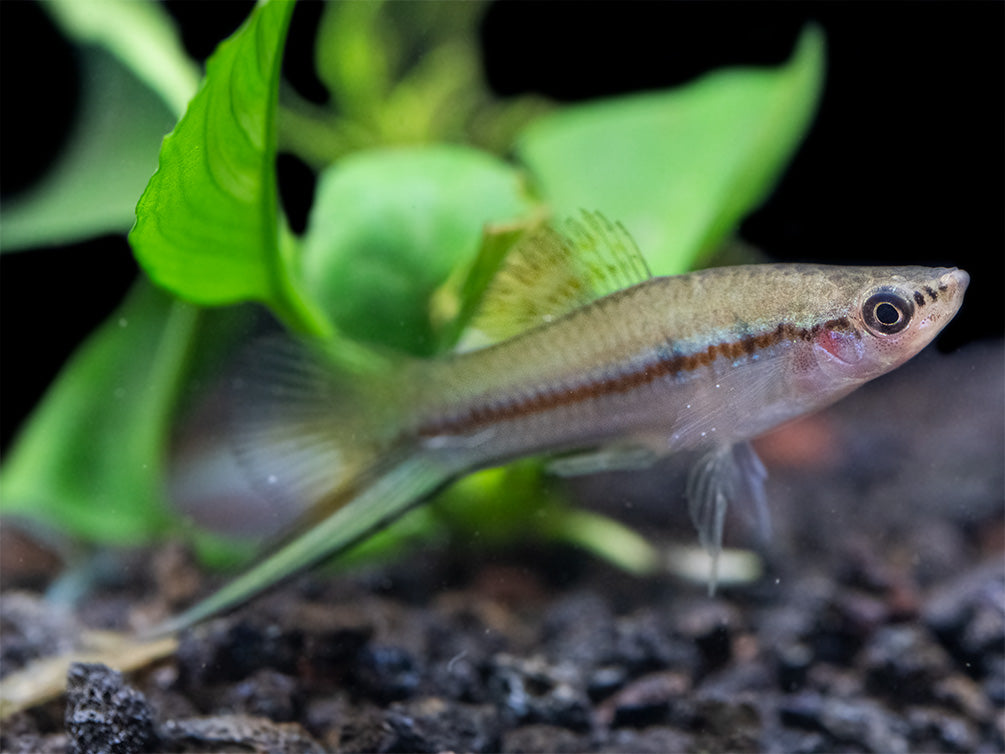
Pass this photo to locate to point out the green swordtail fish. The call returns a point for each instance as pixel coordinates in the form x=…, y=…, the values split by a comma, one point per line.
x=578, y=352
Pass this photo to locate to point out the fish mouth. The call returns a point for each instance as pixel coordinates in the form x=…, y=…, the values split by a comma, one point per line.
x=956, y=279
x=955, y=283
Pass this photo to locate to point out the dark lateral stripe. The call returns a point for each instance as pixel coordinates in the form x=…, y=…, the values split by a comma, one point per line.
x=668, y=365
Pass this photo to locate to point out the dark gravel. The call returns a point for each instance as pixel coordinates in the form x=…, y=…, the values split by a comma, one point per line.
x=879, y=625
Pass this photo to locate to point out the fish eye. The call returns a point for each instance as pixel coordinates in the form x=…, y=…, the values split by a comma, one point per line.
x=887, y=312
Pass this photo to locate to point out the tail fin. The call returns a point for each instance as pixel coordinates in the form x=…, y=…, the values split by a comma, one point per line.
x=327, y=441
x=305, y=426
x=387, y=496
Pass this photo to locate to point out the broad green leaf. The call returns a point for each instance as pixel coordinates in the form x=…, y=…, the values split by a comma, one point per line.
x=679, y=168
x=387, y=228
x=90, y=459
x=142, y=35
x=111, y=153
x=130, y=53
x=208, y=226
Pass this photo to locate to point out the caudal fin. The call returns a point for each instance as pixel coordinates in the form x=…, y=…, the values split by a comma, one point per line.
x=305, y=427
x=327, y=443
x=383, y=498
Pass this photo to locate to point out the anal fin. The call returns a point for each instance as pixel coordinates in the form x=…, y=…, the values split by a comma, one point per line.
x=607, y=458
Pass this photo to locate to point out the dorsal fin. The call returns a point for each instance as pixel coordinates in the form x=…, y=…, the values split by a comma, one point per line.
x=552, y=271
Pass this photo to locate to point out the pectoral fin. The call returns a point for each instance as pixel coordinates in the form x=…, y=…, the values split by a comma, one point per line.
x=732, y=473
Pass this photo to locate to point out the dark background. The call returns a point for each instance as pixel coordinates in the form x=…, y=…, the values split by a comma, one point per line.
x=904, y=163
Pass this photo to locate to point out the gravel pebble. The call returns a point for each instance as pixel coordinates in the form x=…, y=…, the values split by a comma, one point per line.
x=104, y=715
x=882, y=630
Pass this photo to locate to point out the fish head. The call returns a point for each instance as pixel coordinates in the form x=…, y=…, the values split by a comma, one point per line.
x=890, y=315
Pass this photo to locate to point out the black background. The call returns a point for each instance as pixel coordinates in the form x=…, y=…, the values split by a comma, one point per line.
x=905, y=162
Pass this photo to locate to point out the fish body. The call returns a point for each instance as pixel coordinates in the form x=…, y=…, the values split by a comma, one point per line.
x=685, y=362
x=603, y=366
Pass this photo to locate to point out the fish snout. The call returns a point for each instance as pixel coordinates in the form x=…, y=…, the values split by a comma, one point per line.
x=956, y=278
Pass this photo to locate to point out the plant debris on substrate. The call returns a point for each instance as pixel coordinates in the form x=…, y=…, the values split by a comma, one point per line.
x=879, y=625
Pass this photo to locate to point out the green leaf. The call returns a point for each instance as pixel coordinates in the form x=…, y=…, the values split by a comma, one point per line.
x=679, y=168
x=110, y=155
x=208, y=226
x=130, y=53
x=400, y=74
x=142, y=35
x=388, y=227
x=499, y=506
x=90, y=460
x=354, y=51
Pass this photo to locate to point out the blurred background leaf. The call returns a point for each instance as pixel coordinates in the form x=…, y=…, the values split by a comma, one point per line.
x=93, y=187
x=142, y=36
x=136, y=81
x=388, y=226
x=91, y=461
x=401, y=74
x=679, y=168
